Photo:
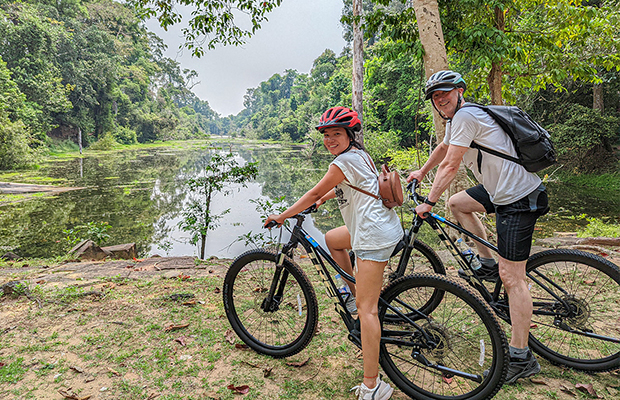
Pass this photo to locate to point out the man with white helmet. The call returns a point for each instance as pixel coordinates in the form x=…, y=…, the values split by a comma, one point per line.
x=516, y=196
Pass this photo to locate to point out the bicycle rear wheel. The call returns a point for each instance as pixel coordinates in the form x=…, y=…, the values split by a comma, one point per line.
x=446, y=355
x=576, y=299
x=281, y=327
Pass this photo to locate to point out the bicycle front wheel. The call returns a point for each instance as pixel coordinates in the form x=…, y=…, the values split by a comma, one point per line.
x=279, y=325
x=576, y=298
x=422, y=259
x=456, y=350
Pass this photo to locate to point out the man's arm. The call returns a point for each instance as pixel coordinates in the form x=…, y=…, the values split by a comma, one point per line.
x=445, y=174
x=435, y=158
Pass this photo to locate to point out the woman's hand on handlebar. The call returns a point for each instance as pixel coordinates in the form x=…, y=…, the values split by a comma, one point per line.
x=273, y=220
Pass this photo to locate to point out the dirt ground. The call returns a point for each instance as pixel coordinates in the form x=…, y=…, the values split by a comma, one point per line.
x=156, y=329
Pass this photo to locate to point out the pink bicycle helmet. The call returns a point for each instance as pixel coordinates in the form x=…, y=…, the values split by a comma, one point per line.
x=342, y=117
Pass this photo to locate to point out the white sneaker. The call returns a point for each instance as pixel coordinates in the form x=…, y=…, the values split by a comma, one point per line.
x=382, y=391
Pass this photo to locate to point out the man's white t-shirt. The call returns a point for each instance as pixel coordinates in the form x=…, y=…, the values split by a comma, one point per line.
x=504, y=180
x=372, y=225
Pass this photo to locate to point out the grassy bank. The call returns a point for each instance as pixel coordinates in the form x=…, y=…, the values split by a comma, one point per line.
x=133, y=339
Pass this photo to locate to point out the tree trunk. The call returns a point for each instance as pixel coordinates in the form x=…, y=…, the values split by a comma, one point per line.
x=358, y=68
x=203, y=245
x=494, y=79
x=597, y=94
x=436, y=59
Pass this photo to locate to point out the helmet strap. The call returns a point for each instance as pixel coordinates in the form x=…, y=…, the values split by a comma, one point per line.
x=347, y=149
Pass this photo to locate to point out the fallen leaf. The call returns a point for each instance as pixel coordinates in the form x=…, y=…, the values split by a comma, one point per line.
x=447, y=380
x=77, y=369
x=567, y=390
x=243, y=389
x=229, y=336
x=2, y=364
x=538, y=381
x=181, y=341
x=114, y=371
x=533, y=326
x=241, y=346
x=297, y=364
x=173, y=327
x=183, y=277
x=190, y=303
x=588, y=282
x=41, y=281
x=67, y=394
x=267, y=372
x=586, y=388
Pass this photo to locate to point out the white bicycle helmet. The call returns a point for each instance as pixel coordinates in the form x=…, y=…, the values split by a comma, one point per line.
x=444, y=81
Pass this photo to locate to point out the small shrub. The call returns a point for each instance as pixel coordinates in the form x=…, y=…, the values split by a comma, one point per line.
x=125, y=135
x=106, y=142
x=584, y=139
x=598, y=228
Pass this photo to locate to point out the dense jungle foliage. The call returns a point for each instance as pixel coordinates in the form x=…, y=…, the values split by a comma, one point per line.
x=91, y=66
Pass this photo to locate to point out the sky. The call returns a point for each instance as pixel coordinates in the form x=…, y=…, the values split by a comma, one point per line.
x=296, y=33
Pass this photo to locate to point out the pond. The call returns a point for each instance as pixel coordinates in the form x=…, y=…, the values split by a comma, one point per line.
x=141, y=193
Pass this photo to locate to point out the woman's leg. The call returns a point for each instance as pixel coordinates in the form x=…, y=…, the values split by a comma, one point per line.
x=369, y=279
x=338, y=241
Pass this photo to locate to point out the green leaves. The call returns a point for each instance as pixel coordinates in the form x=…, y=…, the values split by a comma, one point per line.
x=212, y=22
x=217, y=175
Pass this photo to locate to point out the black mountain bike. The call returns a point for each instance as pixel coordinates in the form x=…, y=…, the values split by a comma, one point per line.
x=438, y=336
x=576, y=295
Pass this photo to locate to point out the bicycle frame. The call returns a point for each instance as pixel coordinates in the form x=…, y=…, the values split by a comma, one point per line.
x=317, y=254
x=499, y=306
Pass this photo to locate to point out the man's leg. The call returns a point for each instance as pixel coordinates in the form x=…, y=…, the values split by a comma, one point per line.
x=512, y=274
x=463, y=207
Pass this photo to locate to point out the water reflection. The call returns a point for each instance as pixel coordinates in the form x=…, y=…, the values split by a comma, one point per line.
x=140, y=193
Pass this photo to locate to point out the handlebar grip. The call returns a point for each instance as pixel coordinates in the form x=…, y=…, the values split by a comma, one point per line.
x=271, y=224
x=426, y=215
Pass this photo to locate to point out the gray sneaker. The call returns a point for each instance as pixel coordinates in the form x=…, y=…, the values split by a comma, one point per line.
x=382, y=391
x=522, y=368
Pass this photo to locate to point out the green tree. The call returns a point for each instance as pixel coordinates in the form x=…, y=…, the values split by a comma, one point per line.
x=220, y=172
x=211, y=22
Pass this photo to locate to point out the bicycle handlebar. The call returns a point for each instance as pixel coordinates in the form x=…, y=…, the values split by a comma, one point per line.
x=300, y=216
x=414, y=195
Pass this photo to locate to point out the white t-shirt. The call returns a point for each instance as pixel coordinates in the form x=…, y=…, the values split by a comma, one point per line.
x=504, y=180
x=372, y=225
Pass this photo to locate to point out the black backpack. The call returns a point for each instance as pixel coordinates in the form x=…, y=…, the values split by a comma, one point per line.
x=532, y=142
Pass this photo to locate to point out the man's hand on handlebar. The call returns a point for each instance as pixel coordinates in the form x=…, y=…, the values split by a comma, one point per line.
x=417, y=175
x=423, y=210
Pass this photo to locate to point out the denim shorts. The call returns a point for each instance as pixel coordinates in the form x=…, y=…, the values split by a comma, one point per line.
x=379, y=255
x=515, y=221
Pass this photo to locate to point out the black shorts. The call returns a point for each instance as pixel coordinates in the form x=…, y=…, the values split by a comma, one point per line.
x=515, y=221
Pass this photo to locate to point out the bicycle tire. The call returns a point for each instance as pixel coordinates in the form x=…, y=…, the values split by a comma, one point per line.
x=422, y=259
x=468, y=333
x=280, y=333
x=592, y=286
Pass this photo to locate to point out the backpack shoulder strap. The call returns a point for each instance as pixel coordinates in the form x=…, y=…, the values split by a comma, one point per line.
x=475, y=145
x=372, y=168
